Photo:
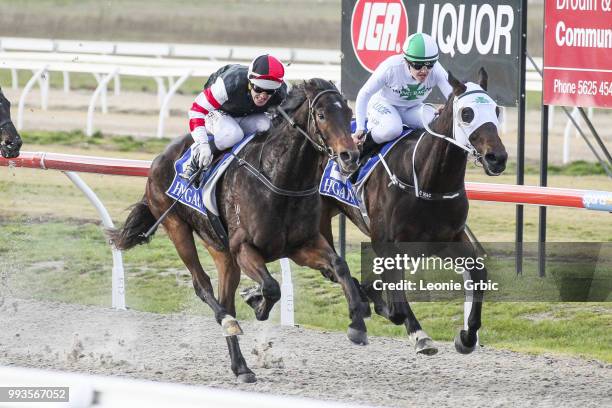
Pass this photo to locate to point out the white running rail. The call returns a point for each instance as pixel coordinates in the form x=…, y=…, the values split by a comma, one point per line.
x=108, y=392
x=103, y=66
x=170, y=50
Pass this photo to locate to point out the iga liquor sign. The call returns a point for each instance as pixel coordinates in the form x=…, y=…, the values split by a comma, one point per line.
x=470, y=35
x=578, y=53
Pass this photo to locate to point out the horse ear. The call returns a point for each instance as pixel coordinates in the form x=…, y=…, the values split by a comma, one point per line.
x=310, y=88
x=458, y=87
x=483, y=78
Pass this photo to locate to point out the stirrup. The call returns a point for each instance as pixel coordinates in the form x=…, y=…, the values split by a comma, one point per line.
x=189, y=170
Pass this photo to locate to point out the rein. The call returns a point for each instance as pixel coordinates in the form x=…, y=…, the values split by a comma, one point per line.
x=404, y=186
x=469, y=150
x=320, y=147
x=266, y=182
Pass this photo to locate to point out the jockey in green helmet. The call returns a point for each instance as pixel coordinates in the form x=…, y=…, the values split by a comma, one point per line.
x=393, y=95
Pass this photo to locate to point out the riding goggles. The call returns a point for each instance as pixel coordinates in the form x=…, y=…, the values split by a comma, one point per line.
x=259, y=90
x=419, y=65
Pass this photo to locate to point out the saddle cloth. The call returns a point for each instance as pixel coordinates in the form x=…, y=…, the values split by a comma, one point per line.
x=202, y=200
x=336, y=185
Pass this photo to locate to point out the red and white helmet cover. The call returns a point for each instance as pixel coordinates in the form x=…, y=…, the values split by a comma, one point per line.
x=266, y=72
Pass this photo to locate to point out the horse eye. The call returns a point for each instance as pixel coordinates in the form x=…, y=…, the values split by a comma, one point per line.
x=467, y=115
x=320, y=116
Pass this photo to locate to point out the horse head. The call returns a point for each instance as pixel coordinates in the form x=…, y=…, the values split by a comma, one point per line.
x=475, y=118
x=10, y=141
x=329, y=122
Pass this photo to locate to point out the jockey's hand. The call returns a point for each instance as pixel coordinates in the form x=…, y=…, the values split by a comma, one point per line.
x=359, y=137
x=202, y=153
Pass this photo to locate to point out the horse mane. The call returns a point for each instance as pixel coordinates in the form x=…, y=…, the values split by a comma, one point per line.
x=295, y=98
x=445, y=119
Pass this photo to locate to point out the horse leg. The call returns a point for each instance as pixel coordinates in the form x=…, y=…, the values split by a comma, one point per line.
x=229, y=277
x=465, y=341
x=397, y=308
x=325, y=224
x=325, y=227
x=400, y=312
x=181, y=235
x=254, y=266
x=318, y=254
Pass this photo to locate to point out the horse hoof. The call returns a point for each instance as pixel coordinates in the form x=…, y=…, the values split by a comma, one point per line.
x=252, y=296
x=247, y=378
x=425, y=346
x=230, y=327
x=460, y=347
x=358, y=337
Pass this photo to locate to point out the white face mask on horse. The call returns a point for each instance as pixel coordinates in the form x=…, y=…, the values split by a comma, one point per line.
x=483, y=110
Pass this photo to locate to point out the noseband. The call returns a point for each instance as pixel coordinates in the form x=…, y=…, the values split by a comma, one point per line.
x=321, y=145
x=469, y=149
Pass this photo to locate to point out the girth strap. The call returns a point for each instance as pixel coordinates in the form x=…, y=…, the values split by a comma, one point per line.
x=407, y=187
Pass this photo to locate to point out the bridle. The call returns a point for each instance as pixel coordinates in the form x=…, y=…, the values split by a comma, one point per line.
x=321, y=143
x=320, y=146
x=466, y=146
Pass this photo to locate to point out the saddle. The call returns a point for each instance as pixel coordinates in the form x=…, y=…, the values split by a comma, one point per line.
x=203, y=198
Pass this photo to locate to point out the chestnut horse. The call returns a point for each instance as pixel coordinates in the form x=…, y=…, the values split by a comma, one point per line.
x=269, y=203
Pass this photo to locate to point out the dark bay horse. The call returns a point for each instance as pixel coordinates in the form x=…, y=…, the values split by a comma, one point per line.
x=10, y=141
x=435, y=211
x=263, y=225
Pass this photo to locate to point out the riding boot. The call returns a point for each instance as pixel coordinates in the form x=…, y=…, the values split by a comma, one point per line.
x=367, y=149
x=191, y=168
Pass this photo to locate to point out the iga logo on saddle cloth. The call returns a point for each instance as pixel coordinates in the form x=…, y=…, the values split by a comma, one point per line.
x=335, y=185
x=202, y=200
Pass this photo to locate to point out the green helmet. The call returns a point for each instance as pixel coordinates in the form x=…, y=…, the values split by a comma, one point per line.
x=420, y=47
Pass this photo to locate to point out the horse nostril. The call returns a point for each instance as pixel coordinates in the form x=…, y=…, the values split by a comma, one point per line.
x=345, y=156
x=496, y=158
x=492, y=158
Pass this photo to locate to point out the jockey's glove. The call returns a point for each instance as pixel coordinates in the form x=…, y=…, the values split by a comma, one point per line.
x=202, y=153
x=359, y=137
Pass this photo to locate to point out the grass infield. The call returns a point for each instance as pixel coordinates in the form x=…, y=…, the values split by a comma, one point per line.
x=54, y=248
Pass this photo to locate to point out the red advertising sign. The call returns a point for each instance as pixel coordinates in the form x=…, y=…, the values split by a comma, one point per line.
x=378, y=31
x=578, y=53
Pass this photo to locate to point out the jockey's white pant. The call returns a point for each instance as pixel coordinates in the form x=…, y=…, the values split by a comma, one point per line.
x=385, y=120
x=228, y=130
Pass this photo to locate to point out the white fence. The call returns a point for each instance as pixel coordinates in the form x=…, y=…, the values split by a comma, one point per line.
x=106, y=68
x=170, y=65
x=166, y=50
x=107, y=392
x=108, y=61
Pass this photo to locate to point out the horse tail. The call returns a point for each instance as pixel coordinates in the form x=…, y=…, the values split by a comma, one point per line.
x=137, y=223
